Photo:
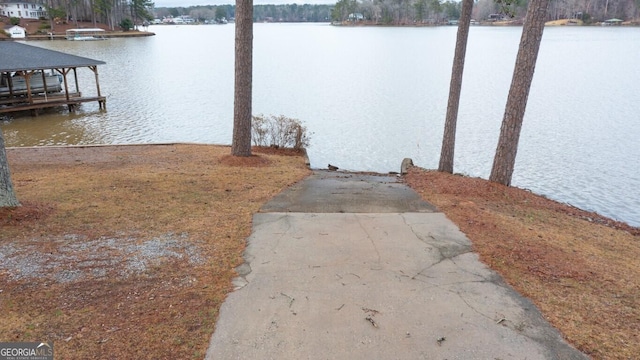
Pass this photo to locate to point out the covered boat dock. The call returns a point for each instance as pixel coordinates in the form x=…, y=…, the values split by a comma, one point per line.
x=33, y=78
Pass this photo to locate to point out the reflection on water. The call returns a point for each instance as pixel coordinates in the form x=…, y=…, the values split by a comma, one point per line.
x=373, y=96
x=62, y=128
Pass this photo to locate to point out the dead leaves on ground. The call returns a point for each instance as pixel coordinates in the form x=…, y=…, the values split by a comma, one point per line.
x=579, y=268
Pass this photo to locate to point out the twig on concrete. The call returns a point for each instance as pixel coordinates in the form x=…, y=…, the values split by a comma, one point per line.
x=373, y=322
x=291, y=299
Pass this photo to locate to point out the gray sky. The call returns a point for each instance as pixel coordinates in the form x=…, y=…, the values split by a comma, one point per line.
x=187, y=3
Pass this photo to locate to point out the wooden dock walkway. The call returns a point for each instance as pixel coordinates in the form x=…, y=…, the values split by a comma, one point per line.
x=41, y=102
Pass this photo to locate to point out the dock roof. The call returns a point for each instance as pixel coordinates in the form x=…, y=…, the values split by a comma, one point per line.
x=16, y=56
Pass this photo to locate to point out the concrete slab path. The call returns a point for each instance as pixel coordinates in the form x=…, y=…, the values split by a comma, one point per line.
x=355, y=266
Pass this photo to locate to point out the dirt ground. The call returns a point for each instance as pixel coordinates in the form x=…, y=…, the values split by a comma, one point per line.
x=126, y=252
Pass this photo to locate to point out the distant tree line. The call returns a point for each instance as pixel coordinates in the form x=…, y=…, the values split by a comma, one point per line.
x=200, y=13
x=110, y=12
x=292, y=13
x=261, y=13
x=408, y=12
x=396, y=12
x=386, y=12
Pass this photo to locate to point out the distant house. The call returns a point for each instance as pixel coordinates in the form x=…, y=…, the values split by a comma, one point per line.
x=612, y=22
x=178, y=20
x=23, y=10
x=356, y=17
x=183, y=19
x=16, y=32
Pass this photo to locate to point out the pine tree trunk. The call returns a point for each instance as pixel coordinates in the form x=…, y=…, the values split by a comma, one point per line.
x=241, y=145
x=7, y=195
x=449, y=137
x=505, y=158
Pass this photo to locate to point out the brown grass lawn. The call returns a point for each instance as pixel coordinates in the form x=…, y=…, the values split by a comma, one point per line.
x=579, y=268
x=127, y=252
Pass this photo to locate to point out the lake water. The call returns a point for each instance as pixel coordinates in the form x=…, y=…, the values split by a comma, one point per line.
x=373, y=96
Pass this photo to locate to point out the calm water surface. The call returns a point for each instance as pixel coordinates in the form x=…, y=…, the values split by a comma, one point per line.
x=372, y=96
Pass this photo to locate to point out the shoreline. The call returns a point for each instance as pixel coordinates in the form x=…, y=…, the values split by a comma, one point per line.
x=588, y=215
x=107, y=35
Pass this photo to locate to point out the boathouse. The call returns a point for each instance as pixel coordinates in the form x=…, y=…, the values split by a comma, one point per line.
x=16, y=31
x=33, y=78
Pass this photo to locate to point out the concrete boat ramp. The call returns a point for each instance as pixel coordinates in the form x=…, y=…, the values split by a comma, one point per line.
x=357, y=266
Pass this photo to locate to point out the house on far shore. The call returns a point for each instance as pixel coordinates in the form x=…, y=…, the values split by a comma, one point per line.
x=179, y=20
x=356, y=17
x=23, y=10
x=612, y=22
x=16, y=31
